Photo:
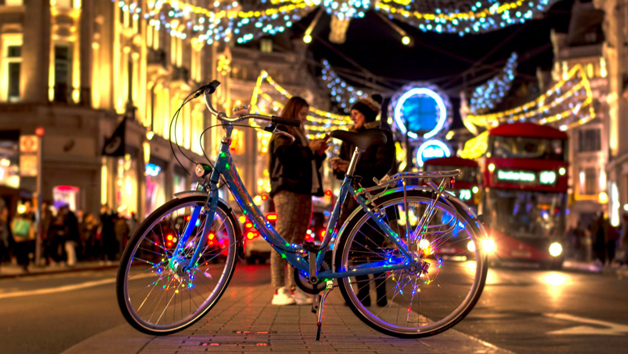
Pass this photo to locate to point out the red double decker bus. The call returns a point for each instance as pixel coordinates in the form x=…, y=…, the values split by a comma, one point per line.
x=525, y=193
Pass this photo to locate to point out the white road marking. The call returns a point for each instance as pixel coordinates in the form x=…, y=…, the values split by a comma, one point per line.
x=59, y=289
x=610, y=328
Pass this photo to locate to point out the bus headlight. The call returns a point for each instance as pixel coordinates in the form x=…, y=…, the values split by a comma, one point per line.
x=488, y=245
x=555, y=249
x=471, y=246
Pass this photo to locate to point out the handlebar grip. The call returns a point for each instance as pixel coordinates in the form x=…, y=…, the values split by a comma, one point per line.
x=287, y=121
x=211, y=87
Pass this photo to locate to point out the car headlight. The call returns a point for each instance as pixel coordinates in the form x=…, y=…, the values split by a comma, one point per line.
x=488, y=245
x=555, y=249
x=471, y=246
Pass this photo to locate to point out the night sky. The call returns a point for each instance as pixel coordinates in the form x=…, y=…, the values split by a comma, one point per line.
x=441, y=59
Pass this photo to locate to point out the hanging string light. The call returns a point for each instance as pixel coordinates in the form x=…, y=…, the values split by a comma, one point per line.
x=342, y=93
x=486, y=96
x=569, y=103
x=268, y=99
x=463, y=16
x=228, y=20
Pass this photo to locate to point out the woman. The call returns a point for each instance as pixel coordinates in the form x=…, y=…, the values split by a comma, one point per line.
x=294, y=170
x=376, y=162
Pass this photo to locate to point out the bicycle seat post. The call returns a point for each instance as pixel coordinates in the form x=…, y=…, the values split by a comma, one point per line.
x=354, y=162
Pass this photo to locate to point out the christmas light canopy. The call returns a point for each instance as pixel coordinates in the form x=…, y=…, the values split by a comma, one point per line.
x=342, y=93
x=486, y=96
x=228, y=20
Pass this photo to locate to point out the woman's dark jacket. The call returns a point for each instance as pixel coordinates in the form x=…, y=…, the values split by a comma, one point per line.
x=376, y=162
x=290, y=166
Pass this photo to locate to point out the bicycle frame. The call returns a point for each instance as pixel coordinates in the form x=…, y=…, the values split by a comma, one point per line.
x=292, y=253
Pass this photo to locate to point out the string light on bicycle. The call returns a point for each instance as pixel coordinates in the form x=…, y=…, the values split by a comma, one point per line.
x=163, y=290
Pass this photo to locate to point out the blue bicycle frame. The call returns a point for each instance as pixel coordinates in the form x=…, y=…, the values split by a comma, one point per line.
x=293, y=253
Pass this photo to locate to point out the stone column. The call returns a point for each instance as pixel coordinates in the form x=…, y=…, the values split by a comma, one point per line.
x=36, y=52
x=86, y=30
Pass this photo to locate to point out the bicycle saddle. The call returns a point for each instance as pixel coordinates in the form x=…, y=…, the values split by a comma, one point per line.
x=363, y=140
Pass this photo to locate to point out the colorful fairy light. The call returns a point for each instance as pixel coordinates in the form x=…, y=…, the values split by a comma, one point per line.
x=342, y=93
x=568, y=103
x=462, y=17
x=268, y=98
x=227, y=20
x=486, y=96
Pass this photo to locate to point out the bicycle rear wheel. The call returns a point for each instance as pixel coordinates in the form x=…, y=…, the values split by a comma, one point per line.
x=157, y=299
x=410, y=304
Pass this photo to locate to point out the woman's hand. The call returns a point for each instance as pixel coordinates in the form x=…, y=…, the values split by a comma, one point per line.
x=241, y=110
x=318, y=146
x=339, y=164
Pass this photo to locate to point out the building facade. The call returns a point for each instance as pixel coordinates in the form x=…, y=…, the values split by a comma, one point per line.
x=583, y=45
x=77, y=69
x=616, y=53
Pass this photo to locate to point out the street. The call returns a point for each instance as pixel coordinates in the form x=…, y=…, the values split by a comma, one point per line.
x=524, y=311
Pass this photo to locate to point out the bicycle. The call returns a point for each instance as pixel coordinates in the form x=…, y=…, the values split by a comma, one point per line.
x=180, y=261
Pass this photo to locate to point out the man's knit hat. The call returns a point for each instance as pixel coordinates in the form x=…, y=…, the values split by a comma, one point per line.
x=368, y=107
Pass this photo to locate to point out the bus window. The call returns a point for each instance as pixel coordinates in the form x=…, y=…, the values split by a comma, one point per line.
x=526, y=213
x=527, y=148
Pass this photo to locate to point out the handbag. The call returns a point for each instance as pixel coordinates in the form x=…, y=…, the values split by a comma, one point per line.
x=23, y=229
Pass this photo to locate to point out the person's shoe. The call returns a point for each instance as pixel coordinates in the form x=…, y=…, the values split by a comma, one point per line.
x=282, y=297
x=301, y=297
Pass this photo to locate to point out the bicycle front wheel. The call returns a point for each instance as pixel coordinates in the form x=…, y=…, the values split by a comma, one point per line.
x=157, y=299
x=406, y=303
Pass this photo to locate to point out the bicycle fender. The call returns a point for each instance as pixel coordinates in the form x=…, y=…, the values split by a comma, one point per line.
x=225, y=206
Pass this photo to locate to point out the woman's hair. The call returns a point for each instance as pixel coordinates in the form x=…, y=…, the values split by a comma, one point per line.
x=292, y=109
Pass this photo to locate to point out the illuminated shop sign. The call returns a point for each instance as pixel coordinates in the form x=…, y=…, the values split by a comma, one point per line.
x=152, y=169
x=420, y=108
x=431, y=149
x=528, y=177
x=462, y=194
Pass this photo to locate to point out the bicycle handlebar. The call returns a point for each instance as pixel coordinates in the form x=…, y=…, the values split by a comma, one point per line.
x=211, y=88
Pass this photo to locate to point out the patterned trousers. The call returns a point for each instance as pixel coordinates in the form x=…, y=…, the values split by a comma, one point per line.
x=293, y=219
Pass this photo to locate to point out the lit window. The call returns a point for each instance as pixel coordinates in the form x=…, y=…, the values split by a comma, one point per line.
x=266, y=45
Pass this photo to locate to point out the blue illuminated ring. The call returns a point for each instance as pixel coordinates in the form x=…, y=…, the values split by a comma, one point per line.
x=439, y=102
x=425, y=145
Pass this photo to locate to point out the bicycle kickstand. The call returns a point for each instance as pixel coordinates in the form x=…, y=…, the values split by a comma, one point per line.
x=328, y=288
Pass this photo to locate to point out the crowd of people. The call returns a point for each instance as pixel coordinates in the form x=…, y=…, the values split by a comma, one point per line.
x=601, y=242
x=66, y=236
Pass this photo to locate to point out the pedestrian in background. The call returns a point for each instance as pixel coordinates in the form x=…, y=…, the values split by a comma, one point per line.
x=6, y=238
x=623, y=242
x=46, y=220
x=580, y=242
x=122, y=232
x=599, y=233
x=73, y=238
x=23, y=231
x=88, y=227
x=294, y=166
x=57, y=235
x=107, y=235
x=611, y=243
x=375, y=162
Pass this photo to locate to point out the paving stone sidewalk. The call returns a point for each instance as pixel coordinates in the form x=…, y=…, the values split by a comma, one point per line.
x=244, y=321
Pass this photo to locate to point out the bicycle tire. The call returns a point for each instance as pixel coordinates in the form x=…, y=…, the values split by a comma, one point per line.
x=361, y=310
x=134, y=244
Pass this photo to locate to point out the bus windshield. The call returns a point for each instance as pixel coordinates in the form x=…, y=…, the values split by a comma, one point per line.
x=528, y=214
x=467, y=173
x=527, y=148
